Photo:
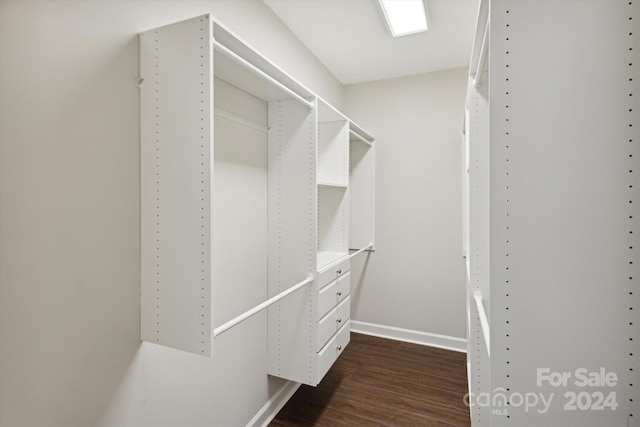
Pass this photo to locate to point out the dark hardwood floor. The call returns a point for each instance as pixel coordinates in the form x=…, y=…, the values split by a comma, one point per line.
x=381, y=382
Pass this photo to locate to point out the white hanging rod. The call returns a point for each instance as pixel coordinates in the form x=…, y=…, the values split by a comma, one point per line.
x=484, y=321
x=484, y=51
x=255, y=310
x=358, y=136
x=235, y=57
x=240, y=120
x=359, y=251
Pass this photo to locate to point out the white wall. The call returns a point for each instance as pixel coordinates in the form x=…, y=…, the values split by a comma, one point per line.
x=70, y=353
x=415, y=278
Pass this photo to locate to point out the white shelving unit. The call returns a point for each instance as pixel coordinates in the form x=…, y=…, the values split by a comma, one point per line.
x=245, y=190
x=333, y=185
x=551, y=228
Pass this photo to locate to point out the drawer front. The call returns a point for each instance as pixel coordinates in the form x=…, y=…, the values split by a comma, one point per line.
x=332, y=294
x=328, y=355
x=331, y=323
x=330, y=274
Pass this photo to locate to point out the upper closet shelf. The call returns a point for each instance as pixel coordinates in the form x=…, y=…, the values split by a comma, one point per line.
x=355, y=137
x=356, y=133
x=243, y=67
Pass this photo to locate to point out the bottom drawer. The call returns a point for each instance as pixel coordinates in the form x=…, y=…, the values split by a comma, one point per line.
x=332, y=350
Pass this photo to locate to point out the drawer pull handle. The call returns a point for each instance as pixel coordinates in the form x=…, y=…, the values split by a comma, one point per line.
x=339, y=347
x=339, y=293
x=339, y=319
x=339, y=271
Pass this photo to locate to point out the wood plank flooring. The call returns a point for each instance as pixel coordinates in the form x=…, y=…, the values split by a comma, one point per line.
x=381, y=382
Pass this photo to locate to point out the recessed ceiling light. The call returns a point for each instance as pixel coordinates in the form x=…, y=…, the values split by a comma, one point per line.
x=404, y=17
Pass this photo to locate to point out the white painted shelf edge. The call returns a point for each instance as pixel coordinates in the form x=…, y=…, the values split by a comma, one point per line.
x=327, y=259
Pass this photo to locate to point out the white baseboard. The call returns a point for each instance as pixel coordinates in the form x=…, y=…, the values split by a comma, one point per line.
x=273, y=405
x=408, y=335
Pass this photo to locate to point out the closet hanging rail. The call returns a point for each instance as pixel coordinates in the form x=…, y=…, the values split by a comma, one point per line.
x=255, y=310
x=357, y=135
x=235, y=57
x=477, y=79
x=359, y=251
x=240, y=120
x=484, y=321
x=480, y=49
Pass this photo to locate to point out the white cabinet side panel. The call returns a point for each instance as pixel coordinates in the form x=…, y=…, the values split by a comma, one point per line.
x=564, y=197
x=292, y=238
x=465, y=184
x=176, y=172
x=478, y=137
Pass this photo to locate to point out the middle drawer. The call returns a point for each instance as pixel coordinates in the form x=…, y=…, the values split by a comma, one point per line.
x=329, y=324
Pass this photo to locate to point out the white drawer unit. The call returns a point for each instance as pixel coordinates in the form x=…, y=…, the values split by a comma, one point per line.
x=305, y=355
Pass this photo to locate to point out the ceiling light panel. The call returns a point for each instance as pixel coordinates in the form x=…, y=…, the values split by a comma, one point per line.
x=404, y=17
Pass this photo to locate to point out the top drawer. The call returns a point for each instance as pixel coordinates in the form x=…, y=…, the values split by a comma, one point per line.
x=332, y=273
x=332, y=294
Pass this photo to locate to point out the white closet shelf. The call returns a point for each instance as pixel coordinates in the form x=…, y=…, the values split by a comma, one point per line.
x=325, y=259
x=356, y=137
x=241, y=73
x=327, y=184
x=244, y=50
x=359, y=134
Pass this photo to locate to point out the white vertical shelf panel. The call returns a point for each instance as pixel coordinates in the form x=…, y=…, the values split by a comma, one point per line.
x=465, y=185
x=479, y=280
x=292, y=239
x=176, y=175
x=564, y=195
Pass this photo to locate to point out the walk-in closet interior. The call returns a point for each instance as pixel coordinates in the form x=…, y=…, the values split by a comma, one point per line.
x=290, y=213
